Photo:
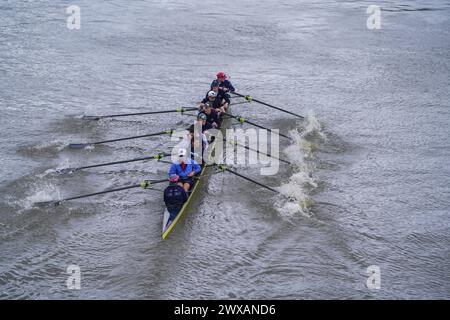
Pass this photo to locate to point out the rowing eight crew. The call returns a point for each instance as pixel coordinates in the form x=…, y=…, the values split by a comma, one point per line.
x=183, y=171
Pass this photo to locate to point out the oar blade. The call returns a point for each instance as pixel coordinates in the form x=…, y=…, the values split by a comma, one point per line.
x=66, y=170
x=78, y=145
x=46, y=204
x=91, y=118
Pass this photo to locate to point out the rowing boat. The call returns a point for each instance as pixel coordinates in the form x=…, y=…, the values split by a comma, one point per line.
x=148, y=184
x=167, y=226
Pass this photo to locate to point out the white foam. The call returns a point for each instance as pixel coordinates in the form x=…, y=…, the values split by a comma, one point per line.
x=313, y=126
x=44, y=191
x=301, y=154
x=56, y=143
x=63, y=165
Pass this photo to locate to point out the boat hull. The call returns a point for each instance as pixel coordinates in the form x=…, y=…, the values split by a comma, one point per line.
x=167, y=226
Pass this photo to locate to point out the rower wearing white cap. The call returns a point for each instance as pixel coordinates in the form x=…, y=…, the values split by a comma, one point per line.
x=215, y=101
x=186, y=168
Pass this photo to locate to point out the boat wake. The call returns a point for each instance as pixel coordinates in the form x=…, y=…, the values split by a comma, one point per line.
x=64, y=164
x=38, y=191
x=301, y=153
x=49, y=148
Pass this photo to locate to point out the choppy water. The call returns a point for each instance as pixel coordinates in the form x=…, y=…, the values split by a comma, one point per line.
x=371, y=160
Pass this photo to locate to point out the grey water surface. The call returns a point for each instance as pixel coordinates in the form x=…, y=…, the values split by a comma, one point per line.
x=379, y=161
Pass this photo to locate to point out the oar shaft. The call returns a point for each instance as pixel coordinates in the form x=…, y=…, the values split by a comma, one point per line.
x=251, y=180
x=268, y=129
x=122, y=161
x=242, y=119
x=110, y=190
x=269, y=105
x=259, y=152
x=98, y=193
x=130, y=138
x=181, y=110
x=241, y=102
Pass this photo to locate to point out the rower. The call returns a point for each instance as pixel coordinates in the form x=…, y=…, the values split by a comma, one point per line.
x=214, y=100
x=222, y=97
x=174, y=196
x=224, y=85
x=212, y=116
x=188, y=142
x=194, y=142
x=186, y=169
x=202, y=119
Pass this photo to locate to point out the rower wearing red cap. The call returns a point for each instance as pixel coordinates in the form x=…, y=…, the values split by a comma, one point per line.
x=223, y=83
x=222, y=86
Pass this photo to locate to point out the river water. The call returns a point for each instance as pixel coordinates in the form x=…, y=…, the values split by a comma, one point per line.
x=370, y=163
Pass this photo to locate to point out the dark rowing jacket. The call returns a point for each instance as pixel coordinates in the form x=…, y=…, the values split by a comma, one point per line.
x=207, y=126
x=218, y=101
x=226, y=84
x=211, y=118
x=174, y=198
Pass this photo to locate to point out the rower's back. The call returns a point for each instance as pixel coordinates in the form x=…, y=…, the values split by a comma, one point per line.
x=174, y=198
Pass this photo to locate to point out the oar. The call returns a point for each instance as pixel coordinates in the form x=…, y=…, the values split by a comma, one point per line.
x=234, y=142
x=195, y=114
x=242, y=120
x=180, y=110
x=156, y=157
x=246, y=147
x=144, y=184
x=240, y=102
x=249, y=98
x=224, y=168
x=82, y=145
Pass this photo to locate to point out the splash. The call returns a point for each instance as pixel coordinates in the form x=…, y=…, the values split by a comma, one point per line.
x=89, y=147
x=44, y=191
x=301, y=153
x=296, y=189
x=63, y=165
x=313, y=126
x=291, y=209
x=51, y=145
x=46, y=147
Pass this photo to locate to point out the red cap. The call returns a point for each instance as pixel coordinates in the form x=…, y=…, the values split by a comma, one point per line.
x=221, y=75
